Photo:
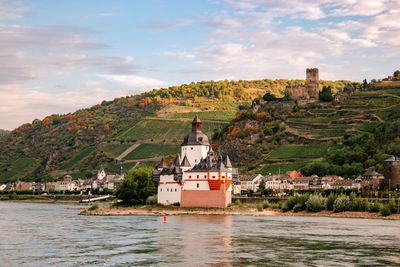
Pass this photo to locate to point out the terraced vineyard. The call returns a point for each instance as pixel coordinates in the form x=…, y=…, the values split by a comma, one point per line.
x=144, y=151
x=72, y=163
x=293, y=151
x=220, y=115
x=20, y=169
x=114, y=150
x=161, y=129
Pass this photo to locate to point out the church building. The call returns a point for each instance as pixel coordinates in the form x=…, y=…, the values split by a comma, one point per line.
x=198, y=177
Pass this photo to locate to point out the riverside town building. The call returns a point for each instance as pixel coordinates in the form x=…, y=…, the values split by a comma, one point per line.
x=198, y=177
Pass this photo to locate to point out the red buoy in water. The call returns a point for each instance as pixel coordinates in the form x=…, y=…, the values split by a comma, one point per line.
x=165, y=219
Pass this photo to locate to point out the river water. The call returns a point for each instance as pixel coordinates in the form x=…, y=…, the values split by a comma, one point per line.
x=38, y=234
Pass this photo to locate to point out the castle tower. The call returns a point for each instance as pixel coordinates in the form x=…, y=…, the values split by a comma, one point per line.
x=391, y=171
x=312, y=83
x=195, y=145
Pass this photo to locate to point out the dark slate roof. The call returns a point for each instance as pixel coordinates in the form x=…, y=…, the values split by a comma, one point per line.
x=227, y=162
x=185, y=162
x=195, y=137
x=162, y=163
x=177, y=161
x=392, y=160
x=212, y=163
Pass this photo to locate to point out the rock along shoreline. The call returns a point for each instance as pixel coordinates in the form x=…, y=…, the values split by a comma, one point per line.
x=232, y=211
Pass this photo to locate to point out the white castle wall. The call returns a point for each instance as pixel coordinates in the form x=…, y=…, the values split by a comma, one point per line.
x=169, y=191
x=194, y=153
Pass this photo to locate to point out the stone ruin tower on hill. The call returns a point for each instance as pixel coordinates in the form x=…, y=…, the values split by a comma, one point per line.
x=309, y=91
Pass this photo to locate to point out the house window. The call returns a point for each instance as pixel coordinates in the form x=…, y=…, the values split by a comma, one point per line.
x=198, y=176
x=190, y=177
x=167, y=189
x=175, y=189
x=197, y=185
x=213, y=177
x=200, y=138
x=191, y=148
x=160, y=189
x=205, y=176
x=223, y=176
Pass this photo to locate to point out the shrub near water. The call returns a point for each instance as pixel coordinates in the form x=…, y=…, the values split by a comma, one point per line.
x=94, y=207
x=373, y=206
x=342, y=203
x=359, y=204
x=296, y=203
x=385, y=210
x=315, y=203
x=331, y=199
x=265, y=204
x=151, y=200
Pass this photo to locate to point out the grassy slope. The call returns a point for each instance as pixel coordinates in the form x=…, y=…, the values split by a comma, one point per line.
x=359, y=113
x=310, y=151
x=20, y=170
x=221, y=115
x=153, y=150
x=77, y=158
x=114, y=150
x=159, y=129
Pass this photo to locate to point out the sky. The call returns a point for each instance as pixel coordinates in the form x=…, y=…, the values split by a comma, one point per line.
x=60, y=56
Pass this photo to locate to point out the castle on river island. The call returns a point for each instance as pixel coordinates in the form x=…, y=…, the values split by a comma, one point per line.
x=198, y=177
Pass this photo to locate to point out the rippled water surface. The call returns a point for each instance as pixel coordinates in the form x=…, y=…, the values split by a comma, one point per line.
x=36, y=234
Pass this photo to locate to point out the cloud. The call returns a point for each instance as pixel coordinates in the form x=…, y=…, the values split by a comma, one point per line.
x=59, y=64
x=160, y=25
x=10, y=10
x=182, y=54
x=304, y=9
x=134, y=81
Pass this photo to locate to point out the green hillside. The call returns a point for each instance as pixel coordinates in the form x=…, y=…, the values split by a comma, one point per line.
x=273, y=136
x=3, y=132
x=152, y=150
x=161, y=129
x=82, y=141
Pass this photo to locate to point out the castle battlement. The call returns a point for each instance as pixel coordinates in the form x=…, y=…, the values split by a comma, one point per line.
x=310, y=91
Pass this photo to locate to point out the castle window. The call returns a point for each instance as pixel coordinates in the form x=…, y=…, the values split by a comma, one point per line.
x=197, y=185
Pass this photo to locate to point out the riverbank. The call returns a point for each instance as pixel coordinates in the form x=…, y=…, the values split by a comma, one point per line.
x=234, y=211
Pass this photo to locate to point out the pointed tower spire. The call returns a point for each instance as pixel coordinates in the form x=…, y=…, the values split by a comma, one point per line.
x=177, y=161
x=162, y=163
x=227, y=162
x=185, y=162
